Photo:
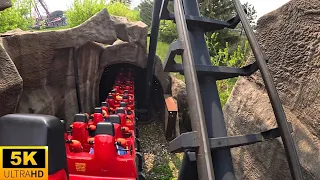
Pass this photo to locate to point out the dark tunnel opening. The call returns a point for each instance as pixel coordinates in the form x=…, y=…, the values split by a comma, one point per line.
x=157, y=104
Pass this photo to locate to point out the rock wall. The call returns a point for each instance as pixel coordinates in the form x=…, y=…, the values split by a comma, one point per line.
x=45, y=62
x=10, y=80
x=10, y=83
x=289, y=36
x=4, y=4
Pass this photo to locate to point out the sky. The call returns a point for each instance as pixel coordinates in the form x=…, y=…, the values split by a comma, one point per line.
x=262, y=6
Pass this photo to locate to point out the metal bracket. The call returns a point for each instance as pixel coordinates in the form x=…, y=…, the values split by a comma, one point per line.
x=192, y=155
x=218, y=72
x=187, y=140
x=175, y=49
x=164, y=12
x=190, y=140
x=237, y=141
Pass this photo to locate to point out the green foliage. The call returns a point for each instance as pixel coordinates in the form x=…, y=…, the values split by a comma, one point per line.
x=121, y=9
x=164, y=171
x=18, y=16
x=146, y=8
x=127, y=2
x=224, y=57
x=225, y=88
x=82, y=10
x=167, y=31
x=224, y=10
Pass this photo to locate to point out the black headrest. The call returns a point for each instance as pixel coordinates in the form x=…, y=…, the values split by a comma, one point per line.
x=105, y=128
x=120, y=110
x=98, y=110
x=113, y=91
x=36, y=130
x=114, y=119
x=80, y=118
x=129, y=112
x=64, y=124
x=125, y=97
x=104, y=104
x=110, y=97
x=126, y=91
x=123, y=104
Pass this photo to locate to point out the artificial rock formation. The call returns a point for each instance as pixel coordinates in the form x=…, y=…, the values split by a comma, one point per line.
x=289, y=37
x=4, y=4
x=10, y=83
x=10, y=80
x=45, y=62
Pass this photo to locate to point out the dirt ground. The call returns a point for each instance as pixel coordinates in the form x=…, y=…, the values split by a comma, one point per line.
x=159, y=164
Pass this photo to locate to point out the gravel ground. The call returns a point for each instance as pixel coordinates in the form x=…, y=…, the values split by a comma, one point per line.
x=159, y=164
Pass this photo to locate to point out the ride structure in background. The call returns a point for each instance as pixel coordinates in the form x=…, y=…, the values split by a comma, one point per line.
x=46, y=19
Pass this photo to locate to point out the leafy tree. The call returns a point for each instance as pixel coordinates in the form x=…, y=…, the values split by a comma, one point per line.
x=127, y=2
x=224, y=10
x=252, y=13
x=223, y=57
x=82, y=10
x=18, y=16
x=217, y=9
x=146, y=8
x=168, y=31
x=121, y=9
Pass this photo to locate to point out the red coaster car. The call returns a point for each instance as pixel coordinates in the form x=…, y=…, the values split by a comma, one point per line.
x=107, y=159
x=93, y=149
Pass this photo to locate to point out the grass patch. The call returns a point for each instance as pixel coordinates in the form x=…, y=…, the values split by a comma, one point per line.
x=162, y=50
x=164, y=172
x=225, y=88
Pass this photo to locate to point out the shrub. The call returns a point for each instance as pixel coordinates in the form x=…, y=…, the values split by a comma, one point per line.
x=167, y=31
x=146, y=8
x=82, y=10
x=121, y=9
x=225, y=57
x=18, y=16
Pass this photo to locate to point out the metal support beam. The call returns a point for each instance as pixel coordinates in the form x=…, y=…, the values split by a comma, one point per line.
x=190, y=140
x=152, y=49
x=204, y=160
x=288, y=143
x=214, y=120
x=188, y=168
x=174, y=49
x=218, y=72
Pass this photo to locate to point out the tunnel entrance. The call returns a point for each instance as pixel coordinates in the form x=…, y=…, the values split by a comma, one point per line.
x=109, y=76
x=157, y=105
